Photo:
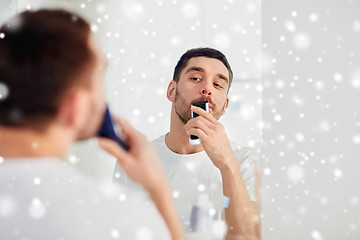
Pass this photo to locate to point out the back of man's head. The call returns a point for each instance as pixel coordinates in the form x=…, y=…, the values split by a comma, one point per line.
x=42, y=55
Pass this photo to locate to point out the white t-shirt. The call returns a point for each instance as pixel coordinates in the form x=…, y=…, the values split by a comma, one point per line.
x=197, y=187
x=44, y=198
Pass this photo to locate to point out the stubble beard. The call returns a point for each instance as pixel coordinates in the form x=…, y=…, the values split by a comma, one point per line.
x=182, y=108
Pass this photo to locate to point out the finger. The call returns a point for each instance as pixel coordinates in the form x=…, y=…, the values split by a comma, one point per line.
x=201, y=123
x=202, y=112
x=114, y=149
x=198, y=132
x=131, y=133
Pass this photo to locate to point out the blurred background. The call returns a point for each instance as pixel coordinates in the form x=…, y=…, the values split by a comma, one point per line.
x=143, y=41
x=297, y=81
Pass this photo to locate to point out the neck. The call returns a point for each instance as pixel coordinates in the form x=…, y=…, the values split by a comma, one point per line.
x=177, y=139
x=21, y=142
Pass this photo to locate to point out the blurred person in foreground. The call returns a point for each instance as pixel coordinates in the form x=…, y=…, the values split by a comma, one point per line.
x=51, y=76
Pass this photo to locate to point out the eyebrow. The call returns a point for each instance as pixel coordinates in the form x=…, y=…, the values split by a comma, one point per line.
x=199, y=69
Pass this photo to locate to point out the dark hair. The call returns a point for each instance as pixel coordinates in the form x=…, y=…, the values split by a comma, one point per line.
x=201, y=52
x=42, y=55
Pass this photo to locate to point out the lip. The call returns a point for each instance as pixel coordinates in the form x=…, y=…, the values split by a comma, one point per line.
x=208, y=100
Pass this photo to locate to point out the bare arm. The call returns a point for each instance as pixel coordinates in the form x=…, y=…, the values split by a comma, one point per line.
x=142, y=164
x=241, y=215
x=164, y=203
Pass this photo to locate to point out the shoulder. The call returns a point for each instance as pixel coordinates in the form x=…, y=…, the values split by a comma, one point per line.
x=160, y=141
x=86, y=199
x=242, y=152
x=246, y=157
x=160, y=145
x=129, y=204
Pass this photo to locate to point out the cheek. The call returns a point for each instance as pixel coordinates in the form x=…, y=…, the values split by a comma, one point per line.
x=99, y=89
x=187, y=87
x=221, y=102
x=98, y=98
x=100, y=94
x=220, y=98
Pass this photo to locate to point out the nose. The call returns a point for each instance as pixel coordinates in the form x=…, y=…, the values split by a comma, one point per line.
x=205, y=92
x=206, y=89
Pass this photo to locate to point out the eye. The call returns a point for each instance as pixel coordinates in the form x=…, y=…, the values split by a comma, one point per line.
x=217, y=85
x=195, y=78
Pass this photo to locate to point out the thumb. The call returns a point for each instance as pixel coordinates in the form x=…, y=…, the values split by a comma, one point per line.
x=133, y=136
x=114, y=149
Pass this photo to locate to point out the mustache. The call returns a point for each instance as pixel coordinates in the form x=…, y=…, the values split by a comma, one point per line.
x=203, y=99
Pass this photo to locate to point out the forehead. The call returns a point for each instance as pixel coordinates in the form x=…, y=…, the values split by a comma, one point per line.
x=210, y=65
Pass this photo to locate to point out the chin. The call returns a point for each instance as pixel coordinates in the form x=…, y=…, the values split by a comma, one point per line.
x=83, y=137
x=86, y=134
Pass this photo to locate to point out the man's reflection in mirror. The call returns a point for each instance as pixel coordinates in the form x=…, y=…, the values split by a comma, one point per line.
x=213, y=180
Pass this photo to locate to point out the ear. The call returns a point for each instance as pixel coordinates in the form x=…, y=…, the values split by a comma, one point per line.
x=171, y=91
x=226, y=105
x=73, y=109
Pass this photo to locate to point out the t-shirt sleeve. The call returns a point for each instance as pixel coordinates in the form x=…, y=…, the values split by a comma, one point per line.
x=247, y=160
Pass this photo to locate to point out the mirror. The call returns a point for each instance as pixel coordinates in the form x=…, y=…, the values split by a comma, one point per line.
x=143, y=41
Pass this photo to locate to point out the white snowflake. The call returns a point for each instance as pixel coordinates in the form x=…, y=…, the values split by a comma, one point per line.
x=248, y=111
x=324, y=126
x=37, y=181
x=355, y=79
x=301, y=41
x=175, y=194
x=122, y=197
x=290, y=26
x=313, y=17
x=267, y=171
x=37, y=209
x=251, y=7
x=201, y=187
x=337, y=77
x=100, y=8
x=222, y=40
x=356, y=26
x=136, y=112
x=277, y=117
x=295, y=173
x=144, y=233
x=316, y=235
x=338, y=173
x=356, y=139
x=190, y=166
x=190, y=10
x=7, y=206
x=114, y=233
x=133, y=10
x=151, y=119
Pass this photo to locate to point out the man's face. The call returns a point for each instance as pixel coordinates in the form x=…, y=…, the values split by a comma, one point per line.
x=203, y=79
x=96, y=104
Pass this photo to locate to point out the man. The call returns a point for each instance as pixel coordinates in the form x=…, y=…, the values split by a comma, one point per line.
x=201, y=175
x=51, y=77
